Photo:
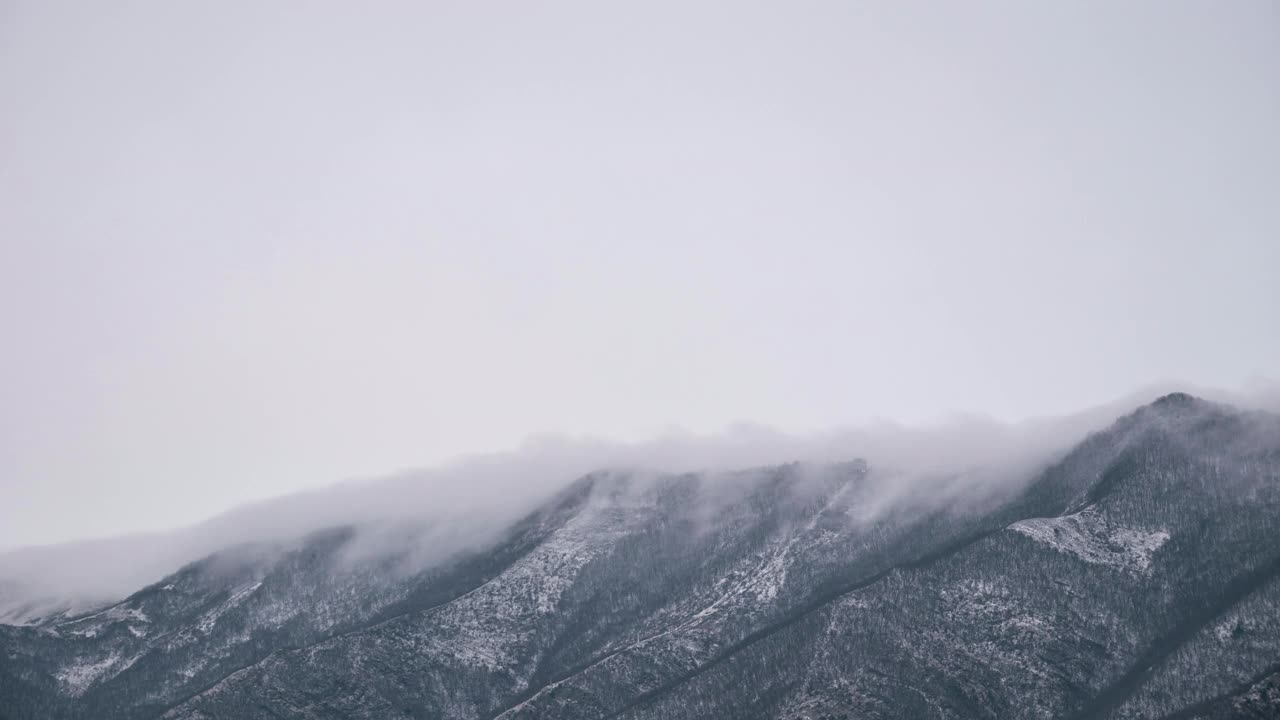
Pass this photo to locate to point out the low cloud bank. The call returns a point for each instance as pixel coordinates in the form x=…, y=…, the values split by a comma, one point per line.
x=475, y=497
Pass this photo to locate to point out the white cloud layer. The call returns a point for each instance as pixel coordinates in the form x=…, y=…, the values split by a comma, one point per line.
x=247, y=248
x=464, y=503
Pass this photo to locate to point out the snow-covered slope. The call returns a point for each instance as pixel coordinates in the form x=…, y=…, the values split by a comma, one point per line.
x=1145, y=557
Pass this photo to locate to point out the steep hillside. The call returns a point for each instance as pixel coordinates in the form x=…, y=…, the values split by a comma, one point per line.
x=1139, y=577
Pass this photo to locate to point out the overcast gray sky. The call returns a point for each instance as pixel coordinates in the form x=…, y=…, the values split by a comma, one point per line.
x=247, y=248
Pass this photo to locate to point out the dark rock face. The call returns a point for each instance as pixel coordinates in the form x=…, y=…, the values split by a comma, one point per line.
x=1137, y=578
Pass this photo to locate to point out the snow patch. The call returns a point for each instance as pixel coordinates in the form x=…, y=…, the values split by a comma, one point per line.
x=93, y=625
x=1229, y=628
x=210, y=618
x=1091, y=537
x=76, y=678
x=120, y=612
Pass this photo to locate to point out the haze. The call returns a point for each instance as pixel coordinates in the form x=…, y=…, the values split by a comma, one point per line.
x=246, y=250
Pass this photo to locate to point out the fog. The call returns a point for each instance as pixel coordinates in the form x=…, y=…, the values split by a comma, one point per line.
x=465, y=504
x=247, y=249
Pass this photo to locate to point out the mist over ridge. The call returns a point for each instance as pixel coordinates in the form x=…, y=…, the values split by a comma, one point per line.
x=651, y=361
x=1088, y=588
x=465, y=504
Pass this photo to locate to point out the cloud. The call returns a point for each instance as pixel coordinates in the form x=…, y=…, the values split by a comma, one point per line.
x=465, y=503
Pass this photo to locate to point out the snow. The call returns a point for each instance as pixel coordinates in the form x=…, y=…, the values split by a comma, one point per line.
x=209, y=619
x=192, y=669
x=1091, y=537
x=121, y=612
x=1226, y=629
x=77, y=677
x=93, y=625
x=22, y=611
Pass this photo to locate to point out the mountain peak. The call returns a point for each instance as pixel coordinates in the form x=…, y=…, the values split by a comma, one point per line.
x=1177, y=400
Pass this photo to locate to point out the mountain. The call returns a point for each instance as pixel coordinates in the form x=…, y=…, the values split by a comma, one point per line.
x=1137, y=577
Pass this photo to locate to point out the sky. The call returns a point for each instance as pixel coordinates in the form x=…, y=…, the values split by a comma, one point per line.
x=251, y=248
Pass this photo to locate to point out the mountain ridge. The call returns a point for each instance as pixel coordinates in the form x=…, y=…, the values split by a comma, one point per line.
x=620, y=597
